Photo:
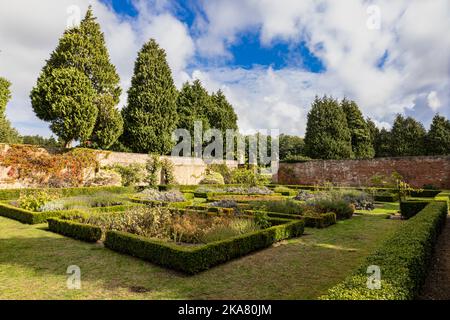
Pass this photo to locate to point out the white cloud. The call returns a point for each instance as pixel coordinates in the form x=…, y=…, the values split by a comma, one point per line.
x=433, y=101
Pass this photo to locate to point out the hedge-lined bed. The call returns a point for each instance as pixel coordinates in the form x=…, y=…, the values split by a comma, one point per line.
x=11, y=194
x=188, y=259
x=403, y=260
x=192, y=260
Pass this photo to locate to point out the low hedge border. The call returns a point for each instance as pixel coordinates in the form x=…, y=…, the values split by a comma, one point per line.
x=386, y=198
x=75, y=230
x=322, y=221
x=410, y=208
x=26, y=216
x=403, y=259
x=192, y=260
x=11, y=194
x=425, y=193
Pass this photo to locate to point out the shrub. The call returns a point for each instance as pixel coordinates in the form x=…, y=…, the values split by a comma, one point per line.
x=223, y=169
x=33, y=200
x=341, y=208
x=196, y=259
x=403, y=260
x=262, y=219
x=132, y=174
x=409, y=209
x=248, y=177
x=212, y=177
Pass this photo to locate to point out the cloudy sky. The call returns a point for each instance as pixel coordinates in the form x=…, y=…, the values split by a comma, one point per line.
x=270, y=57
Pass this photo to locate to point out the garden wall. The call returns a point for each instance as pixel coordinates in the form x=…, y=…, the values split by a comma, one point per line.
x=417, y=171
x=186, y=170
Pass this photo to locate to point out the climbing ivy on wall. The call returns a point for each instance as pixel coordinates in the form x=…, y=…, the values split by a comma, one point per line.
x=60, y=169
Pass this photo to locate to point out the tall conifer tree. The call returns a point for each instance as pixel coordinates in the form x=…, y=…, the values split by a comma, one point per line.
x=150, y=116
x=84, y=49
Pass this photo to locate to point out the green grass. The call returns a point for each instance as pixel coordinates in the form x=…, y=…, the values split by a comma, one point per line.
x=382, y=208
x=33, y=265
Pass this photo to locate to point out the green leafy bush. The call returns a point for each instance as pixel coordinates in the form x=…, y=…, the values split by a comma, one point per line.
x=249, y=177
x=33, y=200
x=341, y=208
x=262, y=219
x=403, y=260
x=132, y=174
x=212, y=177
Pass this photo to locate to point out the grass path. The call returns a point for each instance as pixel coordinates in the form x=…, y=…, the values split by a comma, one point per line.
x=33, y=265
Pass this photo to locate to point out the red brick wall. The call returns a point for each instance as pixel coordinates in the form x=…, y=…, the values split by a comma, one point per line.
x=417, y=171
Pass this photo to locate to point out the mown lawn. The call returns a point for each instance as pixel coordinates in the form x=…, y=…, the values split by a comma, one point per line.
x=33, y=265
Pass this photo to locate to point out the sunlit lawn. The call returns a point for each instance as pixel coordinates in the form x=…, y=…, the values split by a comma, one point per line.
x=33, y=265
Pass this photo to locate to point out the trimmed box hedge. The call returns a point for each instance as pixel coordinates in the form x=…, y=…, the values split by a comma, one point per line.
x=26, y=216
x=425, y=193
x=75, y=230
x=410, y=208
x=403, y=260
x=322, y=221
x=386, y=197
x=192, y=260
x=11, y=194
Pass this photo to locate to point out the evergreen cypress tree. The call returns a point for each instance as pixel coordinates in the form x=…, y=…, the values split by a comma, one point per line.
x=327, y=133
x=150, y=116
x=84, y=48
x=7, y=133
x=194, y=104
x=438, y=137
x=407, y=137
x=382, y=143
x=222, y=115
x=362, y=146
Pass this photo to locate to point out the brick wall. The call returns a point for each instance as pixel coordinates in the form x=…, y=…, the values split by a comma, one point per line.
x=417, y=171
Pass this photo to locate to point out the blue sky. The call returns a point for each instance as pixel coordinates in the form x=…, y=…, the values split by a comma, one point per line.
x=269, y=57
x=247, y=51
